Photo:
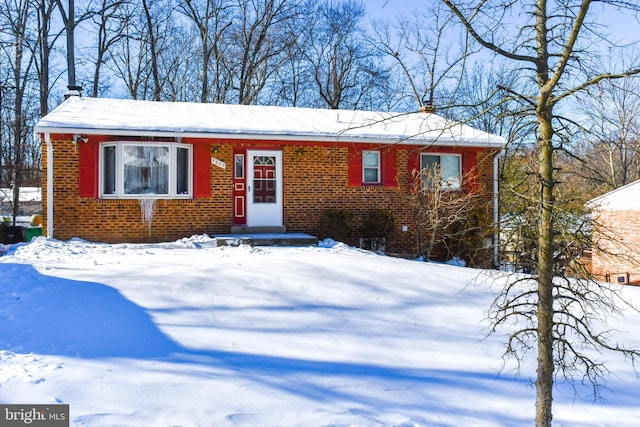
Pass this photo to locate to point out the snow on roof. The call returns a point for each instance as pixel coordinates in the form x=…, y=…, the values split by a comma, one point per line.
x=623, y=198
x=181, y=119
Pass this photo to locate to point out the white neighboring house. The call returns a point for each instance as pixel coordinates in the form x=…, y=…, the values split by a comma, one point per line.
x=616, y=235
x=30, y=201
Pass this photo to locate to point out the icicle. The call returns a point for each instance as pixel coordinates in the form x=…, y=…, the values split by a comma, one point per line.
x=148, y=210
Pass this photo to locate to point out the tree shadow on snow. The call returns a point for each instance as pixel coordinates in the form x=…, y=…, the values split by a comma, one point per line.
x=50, y=315
x=55, y=316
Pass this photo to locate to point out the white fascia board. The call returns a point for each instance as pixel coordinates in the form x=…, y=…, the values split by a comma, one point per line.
x=497, y=142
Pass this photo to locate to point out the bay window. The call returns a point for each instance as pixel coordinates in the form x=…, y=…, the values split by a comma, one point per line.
x=145, y=170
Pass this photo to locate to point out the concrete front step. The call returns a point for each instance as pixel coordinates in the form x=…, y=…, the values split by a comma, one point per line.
x=266, y=239
x=243, y=229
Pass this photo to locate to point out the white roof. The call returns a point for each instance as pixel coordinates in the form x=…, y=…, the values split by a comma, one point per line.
x=623, y=198
x=182, y=119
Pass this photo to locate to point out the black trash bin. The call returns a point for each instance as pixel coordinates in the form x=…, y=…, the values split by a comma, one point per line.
x=13, y=234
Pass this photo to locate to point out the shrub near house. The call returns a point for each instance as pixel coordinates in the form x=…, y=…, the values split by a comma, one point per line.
x=211, y=168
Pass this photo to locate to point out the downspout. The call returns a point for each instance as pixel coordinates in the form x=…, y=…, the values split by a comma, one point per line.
x=47, y=138
x=496, y=207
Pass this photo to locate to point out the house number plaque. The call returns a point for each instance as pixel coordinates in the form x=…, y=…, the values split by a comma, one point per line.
x=218, y=163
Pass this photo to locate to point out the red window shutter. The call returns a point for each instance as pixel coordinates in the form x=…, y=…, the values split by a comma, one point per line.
x=468, y=162
x=355, y=166
x=389, y=167
x=469, y=171
x=88, y=169
x=202, y=171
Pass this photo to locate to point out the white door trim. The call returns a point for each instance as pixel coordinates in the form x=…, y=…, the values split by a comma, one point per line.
x=264, y=214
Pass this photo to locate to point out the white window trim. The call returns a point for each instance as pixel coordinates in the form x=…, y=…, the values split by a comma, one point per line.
x=379, y=177
x=444, y=185
x=238, y=160
x=173, y=146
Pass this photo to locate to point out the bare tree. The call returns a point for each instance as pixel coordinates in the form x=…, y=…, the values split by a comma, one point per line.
x=139, y=56
x=292, y=83
x=152, y=35
x=485, y=100
x=261, y=40
x=345, y=68
x=546, y=46
x=212, y=20
x=179, y=65
x=69, y=19
x=72, y=18
x=109, y=22
x=427, y=53
x=518, y=201
x=4, y=138
x=446, y=218
x=611, y=158
x=17, y=18
x=4, y=85
x=45, y=10
x=129, y=63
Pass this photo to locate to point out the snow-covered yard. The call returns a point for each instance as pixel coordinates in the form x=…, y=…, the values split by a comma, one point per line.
x=190, y=334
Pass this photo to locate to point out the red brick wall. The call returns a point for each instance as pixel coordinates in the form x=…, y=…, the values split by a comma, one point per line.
x=121, y=220
x=315, y=179
x=616, y=245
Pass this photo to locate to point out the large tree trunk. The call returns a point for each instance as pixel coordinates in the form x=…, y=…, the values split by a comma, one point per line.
x=153, y=49
x=18, y=159
x=19, y=79
x=544, y=380
x=69, y=19
x=544, y=115
x=44, y=10
x=71, y=56
x=538, y=44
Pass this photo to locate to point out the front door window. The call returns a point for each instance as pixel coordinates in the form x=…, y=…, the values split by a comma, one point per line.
x=264, y=179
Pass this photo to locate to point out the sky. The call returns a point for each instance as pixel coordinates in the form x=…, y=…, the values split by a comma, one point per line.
x=623, y=24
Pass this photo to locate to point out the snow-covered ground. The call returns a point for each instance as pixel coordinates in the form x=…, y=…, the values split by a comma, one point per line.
x=190, y=334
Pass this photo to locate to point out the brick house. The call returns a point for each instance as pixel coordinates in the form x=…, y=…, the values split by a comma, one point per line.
x=616, y=235
x=214, y=168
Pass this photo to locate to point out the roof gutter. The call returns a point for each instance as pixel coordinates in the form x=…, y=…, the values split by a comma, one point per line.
x=496, y=207
x=47, y=139
x=499, y=143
